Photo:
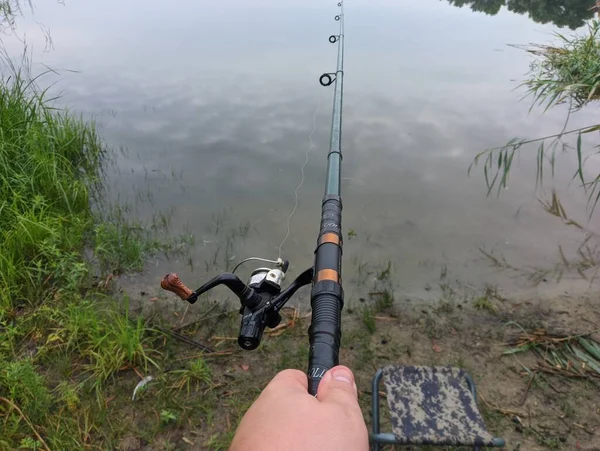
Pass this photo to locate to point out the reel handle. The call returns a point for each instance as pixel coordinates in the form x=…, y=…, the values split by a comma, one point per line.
x=171, y=282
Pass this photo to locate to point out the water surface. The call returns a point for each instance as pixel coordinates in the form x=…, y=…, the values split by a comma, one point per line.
x=214, y=101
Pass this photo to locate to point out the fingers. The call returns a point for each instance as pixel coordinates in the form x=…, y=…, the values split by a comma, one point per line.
x=338, y=386
x=289, y=380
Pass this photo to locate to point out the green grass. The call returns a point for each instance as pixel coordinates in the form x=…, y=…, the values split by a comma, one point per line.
x=385, y=299
x=197, y=374
x=22, y=384
x=485, y=304
x=565, y=72
x=568, y=71
x=63, y=343
x=368, y=319
x=48, y=162
x=9, y=10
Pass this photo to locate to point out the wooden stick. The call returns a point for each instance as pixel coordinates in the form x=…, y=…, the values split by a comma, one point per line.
x=501, y=410
x=218, y=353
x=204, y=316
x=583, y=428
x=204, y=356
x=14, y=406
x=183, y=338
x=524, y=397
x=278, y=328
x=184, y=314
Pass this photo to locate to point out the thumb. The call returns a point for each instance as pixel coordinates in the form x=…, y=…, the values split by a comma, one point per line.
x=338, y=386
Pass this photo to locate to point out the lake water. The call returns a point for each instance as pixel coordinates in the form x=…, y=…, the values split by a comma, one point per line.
x=214, y=103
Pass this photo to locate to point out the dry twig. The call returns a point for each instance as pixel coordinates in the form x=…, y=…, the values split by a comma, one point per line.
x=38, y=436
x=501, y=410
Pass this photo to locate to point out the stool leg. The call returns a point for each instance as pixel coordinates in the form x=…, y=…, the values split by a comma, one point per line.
x=375, y=408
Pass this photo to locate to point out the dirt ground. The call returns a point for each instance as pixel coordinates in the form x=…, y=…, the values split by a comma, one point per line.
x=532, y=410
x=531, y=413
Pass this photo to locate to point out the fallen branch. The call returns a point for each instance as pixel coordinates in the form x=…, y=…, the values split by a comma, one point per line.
x=583, y=428
x=501, y=410
x=524, y=397
x=558, y=372
x=204, y=316
x=183, y=338
x=540, y=336
x=212, y=354
x=278, y=330
x=38, y=436
x=386, y=319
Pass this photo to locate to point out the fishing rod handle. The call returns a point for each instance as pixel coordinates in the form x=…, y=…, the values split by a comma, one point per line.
x=327, y=299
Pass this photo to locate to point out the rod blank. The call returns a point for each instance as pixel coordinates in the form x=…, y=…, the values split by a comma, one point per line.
x=327, y=295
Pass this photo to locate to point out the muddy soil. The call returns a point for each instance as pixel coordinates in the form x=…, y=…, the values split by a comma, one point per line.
x=532, y=410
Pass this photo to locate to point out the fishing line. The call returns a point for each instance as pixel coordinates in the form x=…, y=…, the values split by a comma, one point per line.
x=262, y=298
x=302, y=168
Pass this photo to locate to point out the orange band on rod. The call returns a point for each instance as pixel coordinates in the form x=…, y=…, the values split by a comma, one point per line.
x=329, y=238
x=328, y=274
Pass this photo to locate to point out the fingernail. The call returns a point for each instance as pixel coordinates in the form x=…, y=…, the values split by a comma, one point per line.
x=342, y=375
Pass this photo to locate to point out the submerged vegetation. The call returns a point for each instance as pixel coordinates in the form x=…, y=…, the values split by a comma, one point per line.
x=564, y=73
x=568, y=71
x=9, y=9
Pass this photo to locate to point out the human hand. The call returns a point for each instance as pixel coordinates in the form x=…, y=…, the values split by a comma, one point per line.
x=286, y=418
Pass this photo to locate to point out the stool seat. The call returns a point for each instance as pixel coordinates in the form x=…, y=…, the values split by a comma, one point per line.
x=434, y=406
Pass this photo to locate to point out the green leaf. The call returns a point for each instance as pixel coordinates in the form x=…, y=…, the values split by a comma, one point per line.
x=588, y=360
x=518, y=349
x=591, y=129
x=540, y=165
x=590, y=347
x=579, y=160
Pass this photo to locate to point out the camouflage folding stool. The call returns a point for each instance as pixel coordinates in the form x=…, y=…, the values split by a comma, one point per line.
x=430, y=406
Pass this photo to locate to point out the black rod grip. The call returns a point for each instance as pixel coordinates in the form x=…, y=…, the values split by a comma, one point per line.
x=327, y=300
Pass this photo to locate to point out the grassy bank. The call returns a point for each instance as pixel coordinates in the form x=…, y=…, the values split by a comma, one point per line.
x=48, y=161
x=63, y=339
x=73, y=351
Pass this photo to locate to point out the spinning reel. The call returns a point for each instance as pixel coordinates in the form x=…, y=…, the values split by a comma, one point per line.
x=261, y=298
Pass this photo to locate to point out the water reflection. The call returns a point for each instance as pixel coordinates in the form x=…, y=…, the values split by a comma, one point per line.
x=216, y=130
x=563, y=13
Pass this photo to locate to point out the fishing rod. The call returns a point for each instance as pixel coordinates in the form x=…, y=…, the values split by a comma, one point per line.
x=262, y=298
